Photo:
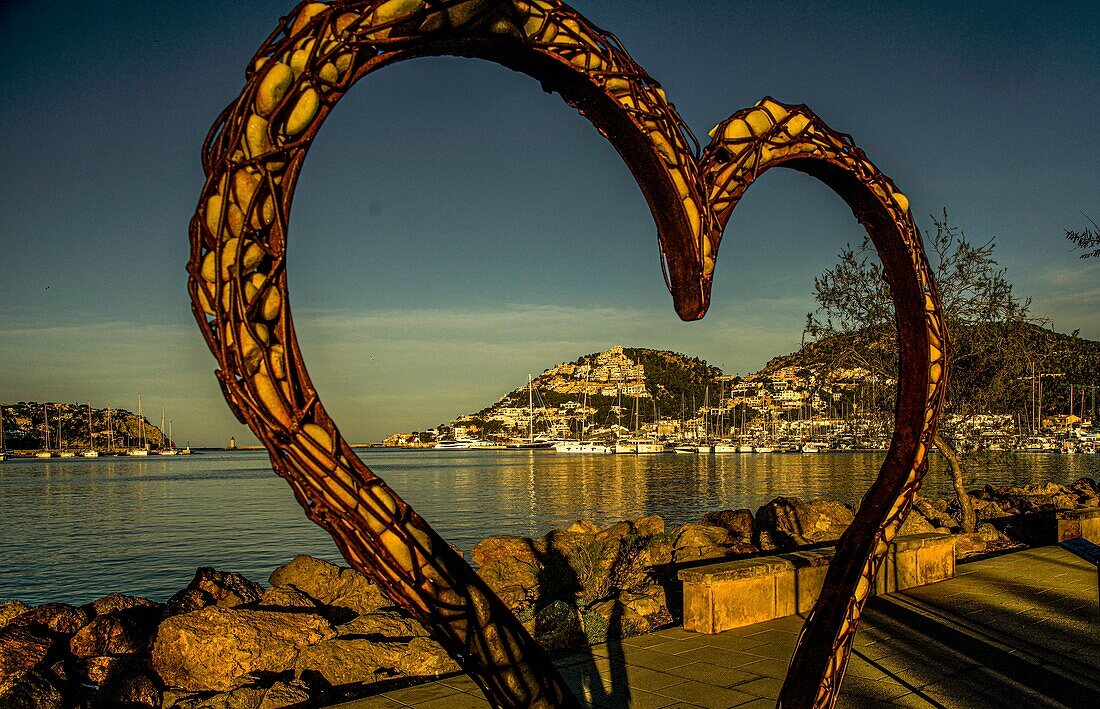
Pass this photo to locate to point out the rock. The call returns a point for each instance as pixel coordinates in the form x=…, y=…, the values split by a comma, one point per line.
x=58, y=617
x=115, y=602
x=382, y=624
x=132, y=687
x=9, y=610
x=615, y=532
x=280, y=694
x=330, y=585
x=985, y=539
x=915, y=523
x=113, y=634
x=699, y=541
x=285, y=598
x=651, y=602
x=21, y=648
x=347, y=661
x=936, y=513
x=29, y=689
x=649, y=526
x=583, y=526
x=96, y=670
x=515, y=582
x=766, y=542
x=621, y=621
x=503, y=547
x=217, y=648
x=792, y=522
x=557, y=626
x=698, y=535
x=210, y=587
x=738, y=522
x=658, y=550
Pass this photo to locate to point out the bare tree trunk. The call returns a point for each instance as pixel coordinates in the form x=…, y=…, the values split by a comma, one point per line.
x=969, y=519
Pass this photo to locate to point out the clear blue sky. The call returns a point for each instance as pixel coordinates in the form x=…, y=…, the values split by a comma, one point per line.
x=456, y=228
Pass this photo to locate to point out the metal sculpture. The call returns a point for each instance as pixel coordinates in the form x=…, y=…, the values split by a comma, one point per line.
x=252, y=158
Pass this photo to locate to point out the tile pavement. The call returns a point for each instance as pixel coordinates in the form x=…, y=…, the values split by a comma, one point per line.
x=1017, y=630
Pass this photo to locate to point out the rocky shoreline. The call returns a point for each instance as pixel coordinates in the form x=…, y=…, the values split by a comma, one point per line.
x=319, y=634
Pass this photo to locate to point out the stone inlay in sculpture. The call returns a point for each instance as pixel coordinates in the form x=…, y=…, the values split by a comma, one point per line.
x=252, y=158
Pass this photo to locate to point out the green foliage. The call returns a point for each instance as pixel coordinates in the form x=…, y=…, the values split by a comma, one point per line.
x=1088, y=239
x=595, y=627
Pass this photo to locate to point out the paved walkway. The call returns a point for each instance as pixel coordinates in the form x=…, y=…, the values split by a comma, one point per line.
x=1018, y=630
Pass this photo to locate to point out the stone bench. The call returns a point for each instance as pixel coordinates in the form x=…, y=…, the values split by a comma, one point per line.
x=1072, y=524
x=734, y=594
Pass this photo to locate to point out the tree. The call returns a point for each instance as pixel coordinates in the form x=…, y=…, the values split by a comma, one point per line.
x=1087, y=238
x=855, y=315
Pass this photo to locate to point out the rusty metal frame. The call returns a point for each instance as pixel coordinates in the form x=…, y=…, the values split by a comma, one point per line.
x=252, y=158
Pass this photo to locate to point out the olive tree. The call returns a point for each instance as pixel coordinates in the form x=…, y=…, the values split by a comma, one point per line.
x=855, y=315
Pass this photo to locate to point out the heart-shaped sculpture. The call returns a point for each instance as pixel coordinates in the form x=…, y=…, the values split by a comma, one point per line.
x=252, y=158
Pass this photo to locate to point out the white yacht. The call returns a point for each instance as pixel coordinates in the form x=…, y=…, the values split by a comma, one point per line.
x=589, y=447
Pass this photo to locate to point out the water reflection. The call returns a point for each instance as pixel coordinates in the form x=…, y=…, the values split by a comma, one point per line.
x=76, y=529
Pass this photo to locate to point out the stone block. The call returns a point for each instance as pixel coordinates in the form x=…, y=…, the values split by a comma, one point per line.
x=734, y=594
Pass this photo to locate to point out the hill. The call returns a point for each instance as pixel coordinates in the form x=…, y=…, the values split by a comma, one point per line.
x=618, y=382
x=24, y=429
x=1000, y=377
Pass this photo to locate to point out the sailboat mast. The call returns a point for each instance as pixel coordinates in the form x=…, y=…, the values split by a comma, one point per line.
x=110, y=430
x=531, y=410
x=141, y=424
x=91, y=445
x=46, y=424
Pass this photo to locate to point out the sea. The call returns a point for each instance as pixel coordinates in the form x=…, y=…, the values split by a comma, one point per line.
x=73, y=530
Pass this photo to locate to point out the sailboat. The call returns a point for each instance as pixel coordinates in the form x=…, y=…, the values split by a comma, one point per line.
x=143, y=449
x=581, y=445
x=91, y=452
x=166, y=447
x=2, y=434
x=530, y=443
x=46, y=427
x=61, y=441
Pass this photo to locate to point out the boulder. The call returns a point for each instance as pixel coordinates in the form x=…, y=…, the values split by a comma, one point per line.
x=621, y=621
x=738, y=522
x=59, y=617
x=583, y=526
x=285, y=598
x=557, y=626
x=658, y=550
x=349, y=661
x=131, y=685
x=792, y=522
x=648, y=603
x=210, y=587
x=115, y=602
x=936, y=513
x=516, y=582
x=122, y=633
x=985, y=539
x=389, y=625
x=280, y=694
x=215, y=649
x=700, y=541
x=915, y=523
x=21, y=648
x=96, y=670
x=649, y=526
x=29, y=689
x=331, y=585
x=9, y=610
x=503, y=547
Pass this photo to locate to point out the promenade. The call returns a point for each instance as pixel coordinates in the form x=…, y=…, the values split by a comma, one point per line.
x=1016, y=630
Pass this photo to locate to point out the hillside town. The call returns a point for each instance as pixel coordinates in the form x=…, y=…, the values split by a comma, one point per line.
x=607, y=402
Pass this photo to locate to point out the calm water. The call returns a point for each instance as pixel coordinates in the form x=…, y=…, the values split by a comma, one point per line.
x=74, y=530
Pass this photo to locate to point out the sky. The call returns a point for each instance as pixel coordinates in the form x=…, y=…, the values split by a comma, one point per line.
x=456, y=228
